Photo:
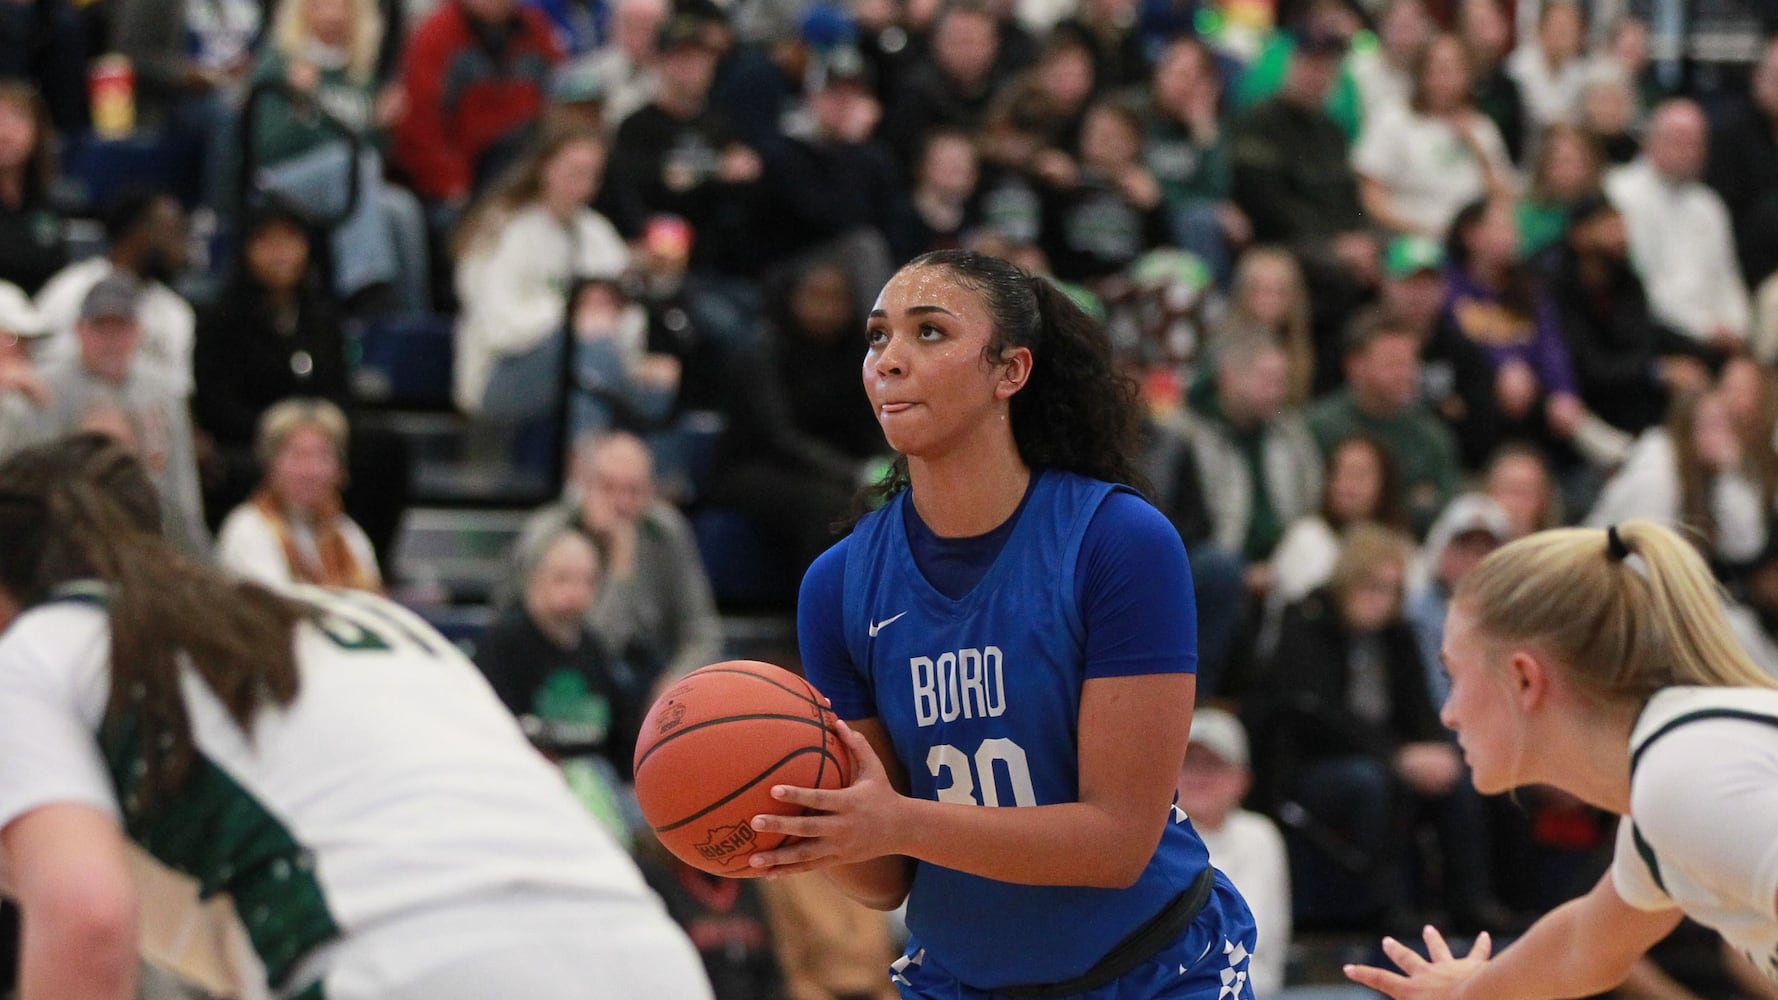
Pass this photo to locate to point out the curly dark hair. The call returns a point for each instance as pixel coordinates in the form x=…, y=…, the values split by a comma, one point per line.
x=1076, y=412
x=81, y=509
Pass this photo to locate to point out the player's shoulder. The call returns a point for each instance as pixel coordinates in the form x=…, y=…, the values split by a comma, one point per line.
x=1126, y=525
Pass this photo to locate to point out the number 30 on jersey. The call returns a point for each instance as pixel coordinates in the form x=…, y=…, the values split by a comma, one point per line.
x=965, y=774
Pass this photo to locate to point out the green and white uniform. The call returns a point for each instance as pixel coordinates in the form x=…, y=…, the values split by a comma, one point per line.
x=1702, y=833
x=390, y=833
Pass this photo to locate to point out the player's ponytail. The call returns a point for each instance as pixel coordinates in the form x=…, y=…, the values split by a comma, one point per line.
x=81, y=511
x=1626, y=612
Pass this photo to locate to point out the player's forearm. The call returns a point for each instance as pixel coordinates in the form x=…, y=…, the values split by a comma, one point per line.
x=1560, y=956
x=1073, y=843
x=880, y=883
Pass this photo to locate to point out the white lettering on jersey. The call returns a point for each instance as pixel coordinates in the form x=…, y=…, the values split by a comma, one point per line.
x=966, y=684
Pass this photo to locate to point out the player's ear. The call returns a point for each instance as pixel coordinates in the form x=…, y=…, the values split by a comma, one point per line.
x=1529, y=677
x=1015, y=371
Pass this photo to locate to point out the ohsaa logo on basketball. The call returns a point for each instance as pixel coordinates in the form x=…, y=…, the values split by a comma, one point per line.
x=725, y=842
x=672, y=717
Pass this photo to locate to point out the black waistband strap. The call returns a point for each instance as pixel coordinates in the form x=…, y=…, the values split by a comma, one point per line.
x=1139, y=947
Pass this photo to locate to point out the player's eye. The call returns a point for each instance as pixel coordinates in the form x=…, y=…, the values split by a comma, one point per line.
x=930, y=332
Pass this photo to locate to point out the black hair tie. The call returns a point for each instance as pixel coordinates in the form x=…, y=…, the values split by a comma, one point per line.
x=1614, y=545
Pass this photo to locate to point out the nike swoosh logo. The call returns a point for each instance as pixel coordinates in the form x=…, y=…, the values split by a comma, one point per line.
x=876, y=627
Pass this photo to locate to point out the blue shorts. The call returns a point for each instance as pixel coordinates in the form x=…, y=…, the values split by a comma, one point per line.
x=1208, y=962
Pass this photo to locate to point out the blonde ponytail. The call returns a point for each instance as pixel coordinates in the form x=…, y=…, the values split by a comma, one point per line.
x=1626, y=616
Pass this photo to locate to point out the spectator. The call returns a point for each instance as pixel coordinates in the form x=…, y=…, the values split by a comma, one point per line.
x=23, y=394
x=1213, y=780
x=801, y=437
x=475, y=74
x=1186, y=143
x=654, y=609
x=1567, y=170
x=679, y=157
x=626, y=63
x=828, y=944
x=1551, y=68
x=1744, y=171
x=1381, y=398
x=1456, y=376
x=1109, y=26
x=1269, y=295
x=105, y=387
x=1609, y=112
x=952, y=87
x=190, y=63
x=294, y=529
x=1050, y=101
x=44, y=47
x=1680, y=236
x=1518, y=479
x=1627, y=47
x=551, y=670
x=1111, y=213
x=1496, y=302
x=1697, y=471
x=146, y=231
x=537, y=268
x=941, y=207
x=1290, y=160
x=1293, y=178
x=325, y=51
x=1465, y=532
x=1419, y=164
x=1625, y=362
x=1355, y=741
x=1487, y=36
x=30, y=226
x=1269, y=71
x=1255, y=456
x=275, y=332
x=833, y=192
x=1362, y=488
x=762, y=85
x=1385, y=74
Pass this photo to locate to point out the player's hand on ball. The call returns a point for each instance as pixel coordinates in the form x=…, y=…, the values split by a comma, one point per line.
x=846, y=825
x=1437, y=978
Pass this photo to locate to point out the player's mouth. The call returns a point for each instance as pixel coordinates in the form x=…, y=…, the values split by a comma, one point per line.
x=889, y=408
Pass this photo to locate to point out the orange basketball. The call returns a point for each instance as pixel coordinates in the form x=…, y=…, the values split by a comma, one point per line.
x=713, y=746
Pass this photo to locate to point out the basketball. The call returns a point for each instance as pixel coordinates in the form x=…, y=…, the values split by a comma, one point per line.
x=715, y=744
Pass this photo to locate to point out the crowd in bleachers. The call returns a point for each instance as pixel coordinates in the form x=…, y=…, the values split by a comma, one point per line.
x=1399, y=280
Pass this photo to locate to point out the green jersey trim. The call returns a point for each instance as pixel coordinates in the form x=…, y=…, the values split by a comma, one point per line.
x=217, y=832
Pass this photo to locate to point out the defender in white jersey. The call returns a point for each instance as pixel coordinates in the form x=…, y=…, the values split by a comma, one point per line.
x=1602, y=663
x=328, y=760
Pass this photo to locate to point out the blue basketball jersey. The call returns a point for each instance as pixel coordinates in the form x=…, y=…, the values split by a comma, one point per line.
x=981, y=697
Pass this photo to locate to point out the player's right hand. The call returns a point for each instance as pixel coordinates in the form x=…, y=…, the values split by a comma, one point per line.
x=1440, y=977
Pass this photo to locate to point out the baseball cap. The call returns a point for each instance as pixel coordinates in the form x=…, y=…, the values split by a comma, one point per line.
x=115, y=295
x=844, y=64
x=827, y=26
x=17, y=315
x=1218, y=731
x=1406, y=255
x=1466, y=514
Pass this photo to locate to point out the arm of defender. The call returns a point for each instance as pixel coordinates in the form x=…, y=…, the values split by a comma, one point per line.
x=73, y=887
x=1583, y=947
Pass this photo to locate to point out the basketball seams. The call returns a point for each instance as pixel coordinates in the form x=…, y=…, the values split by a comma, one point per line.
x=748, y=786
x=806, y=694
x=707, y=723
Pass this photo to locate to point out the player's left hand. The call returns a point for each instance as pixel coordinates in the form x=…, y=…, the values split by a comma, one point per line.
x=1439, y=977
x=847, y=825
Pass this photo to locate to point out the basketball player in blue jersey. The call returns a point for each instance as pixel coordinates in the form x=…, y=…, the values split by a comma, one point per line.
x=1011, y=637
